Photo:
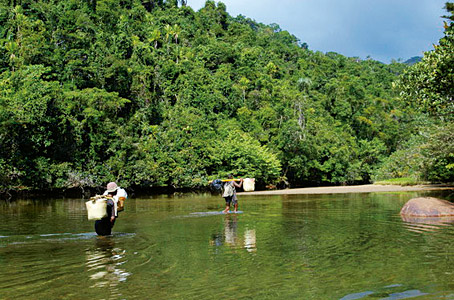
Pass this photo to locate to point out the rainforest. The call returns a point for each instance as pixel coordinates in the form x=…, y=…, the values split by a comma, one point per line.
x=154, y=94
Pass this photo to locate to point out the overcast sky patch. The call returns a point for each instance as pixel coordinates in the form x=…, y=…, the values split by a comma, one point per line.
x=381, y=29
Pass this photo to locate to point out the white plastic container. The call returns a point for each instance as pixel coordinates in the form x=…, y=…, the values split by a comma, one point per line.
x=97, y=209
x=249, y=184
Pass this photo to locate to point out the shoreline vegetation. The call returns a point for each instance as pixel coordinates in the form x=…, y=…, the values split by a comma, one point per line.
x=403, y=182
x=154, y=94
x=385, y=186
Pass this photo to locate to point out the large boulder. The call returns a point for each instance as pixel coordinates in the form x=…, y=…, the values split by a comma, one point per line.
x=427, y=207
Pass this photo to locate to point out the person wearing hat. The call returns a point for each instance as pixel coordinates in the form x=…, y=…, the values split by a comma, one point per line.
x=115, y=194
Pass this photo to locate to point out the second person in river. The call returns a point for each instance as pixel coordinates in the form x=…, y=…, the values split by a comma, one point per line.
x=229, y=194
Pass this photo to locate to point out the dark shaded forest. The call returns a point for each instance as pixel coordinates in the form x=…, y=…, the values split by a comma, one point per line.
x=154, y=94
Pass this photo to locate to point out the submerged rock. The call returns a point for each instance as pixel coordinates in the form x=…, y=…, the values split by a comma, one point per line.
x=427, y=207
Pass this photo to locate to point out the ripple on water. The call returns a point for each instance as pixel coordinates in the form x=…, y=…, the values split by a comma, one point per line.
x=391, y=292
x=424, y=224
x=39, y=263
x=54, y=237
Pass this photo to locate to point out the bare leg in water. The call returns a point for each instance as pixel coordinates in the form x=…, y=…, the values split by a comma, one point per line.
x=227, y=205
x=227, y=208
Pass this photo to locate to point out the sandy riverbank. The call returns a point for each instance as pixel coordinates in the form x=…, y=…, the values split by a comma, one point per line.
x=367, y=188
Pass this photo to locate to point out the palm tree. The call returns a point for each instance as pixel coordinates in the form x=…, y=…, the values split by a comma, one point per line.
x=155, y=36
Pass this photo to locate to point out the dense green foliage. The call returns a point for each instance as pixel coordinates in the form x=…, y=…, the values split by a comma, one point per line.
x=151, y=93
x=430, y=83
x=428, y=89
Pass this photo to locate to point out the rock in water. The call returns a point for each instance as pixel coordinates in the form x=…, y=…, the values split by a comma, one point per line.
x=427, y=207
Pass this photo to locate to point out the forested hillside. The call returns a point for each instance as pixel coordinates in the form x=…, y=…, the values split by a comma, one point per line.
x=152, y=93
x=428, y=87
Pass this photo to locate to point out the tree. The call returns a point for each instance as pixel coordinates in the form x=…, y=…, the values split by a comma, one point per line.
x=429, y=84
x=428, y=87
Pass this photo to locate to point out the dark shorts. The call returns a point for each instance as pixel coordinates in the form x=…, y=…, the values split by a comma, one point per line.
x=230, y=199
x=104, y=226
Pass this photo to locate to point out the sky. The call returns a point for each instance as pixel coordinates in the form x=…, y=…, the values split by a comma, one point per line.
x=382, y=29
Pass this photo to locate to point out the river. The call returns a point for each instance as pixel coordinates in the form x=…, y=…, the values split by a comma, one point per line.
x=332, y=246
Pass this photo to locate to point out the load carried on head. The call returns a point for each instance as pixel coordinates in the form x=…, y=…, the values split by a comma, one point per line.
x=248, y=184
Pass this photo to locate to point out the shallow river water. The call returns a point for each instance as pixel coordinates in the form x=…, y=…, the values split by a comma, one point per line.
x=339, y=246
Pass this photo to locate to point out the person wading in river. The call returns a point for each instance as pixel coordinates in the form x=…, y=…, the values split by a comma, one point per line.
x=115, y=194
x=229, y=194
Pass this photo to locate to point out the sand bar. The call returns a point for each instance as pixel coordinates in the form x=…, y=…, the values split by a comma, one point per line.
x=367, y=188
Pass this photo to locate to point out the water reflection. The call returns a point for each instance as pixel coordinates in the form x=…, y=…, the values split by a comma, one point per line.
x=388, y=292
x=103, y=264
x=230, y=235
x=250, y=240
x=230, y=230
x=426, y=223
